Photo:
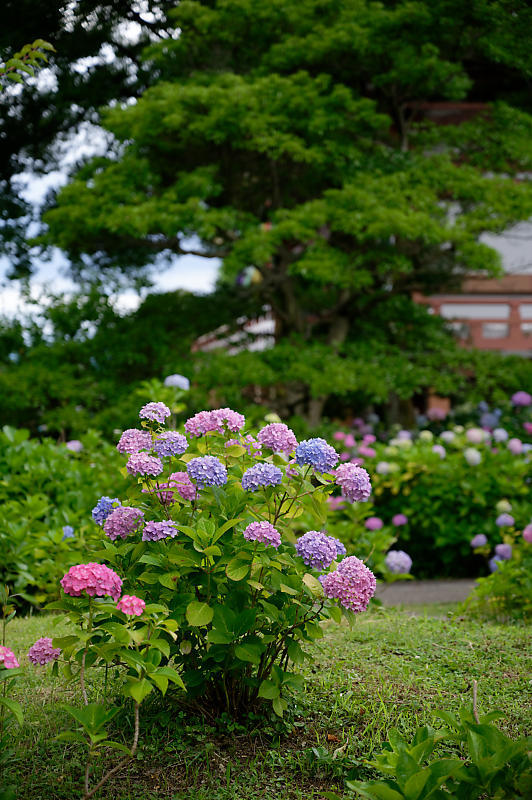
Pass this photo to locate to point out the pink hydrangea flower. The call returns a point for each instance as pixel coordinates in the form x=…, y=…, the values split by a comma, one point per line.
x=527, y=533
x=349, y=440
x=96, y=580
x=369, y=438
x=134, y=440
x=528, y=427
x=351, y=583
x=42, y=652
x=8, y=658
x=122, y=521
x=521, y=399
x=399, y=519
x=156, y=412
x=278, y=437
x=345, y=456
x=184, y=486
x=131, y=605
x=339, y=436
x=232, y=420
x=367, y=452
x=143, y=464
x=354, y=482
x=201, y=423
x=515, y=446
x=374, y=523
x=335, y=502
x=263, y=532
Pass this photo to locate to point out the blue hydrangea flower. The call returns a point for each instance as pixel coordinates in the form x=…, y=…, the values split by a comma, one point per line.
x=317, y=549
x=178, y=381
x=479, y=540
x=103, y=508
x=317, y=453
x=505, y=521
x=207, y=471
x=170, y=443
x=261, y=475
x=504, y=550
x=68, y=532
x=493, y=563
x=340, y=546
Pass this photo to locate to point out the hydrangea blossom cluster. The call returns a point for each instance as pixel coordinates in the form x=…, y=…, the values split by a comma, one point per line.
x=317, y=549
x=374, y=523
x=263, y=532
x=74, y=445
x=447, y=437
x=253, y=447
x=68, y=532
x=143, y=464
x=493, y=563
x=503, y=505
x=96, y=580
x=207, y=471
x=170, y=443
x=475, y=435
x=521, y=399
x=317, y=454
x=398, y=562
x=505, y=521
x=399, y=519
x=440, y=450
x=8, y=658
x=260, y=476
x=340, y=546
x=134, y=440
x=472, y=456
x=351, y=583
x=183, y=485
x=500, y=435
x=103, y=508
x=122, y=521
x=154, y=531
x=277, y=437
x=504, y=550
x=479, y=540
x=354, y=482
x=131, y=605
x=515, y=446
x=527, y=533
x=177, y=381
x=42, y=652
x=155, y=412
x=205, y=421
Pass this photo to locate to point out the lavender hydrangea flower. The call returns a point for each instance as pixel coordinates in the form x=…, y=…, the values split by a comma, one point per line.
x=103, y=508
x=68, y=532
x=134, y=440
x=399, y=519
x=479, y=540
x=317, y=454
x=352, y=584
x=260, y=476
x=500, y=435
x=527, y=533
x=207, y=471
x=156, y=412
x=493, y=563
x=263, y=532
x=177, y=381
x=170, y=443
x=340, y=546
x=317, y=549
x=475, y=435
x=505, y=521
x=232, y=420
x=398, y=562
x=472, y=456
x=74, y=445
x=447, y=437
x=154, y=531
x=354, y=482
x=439, y=450
x=277, y=437
x=521, y=399
x=143, y=464
x=515, y=446
x=42, y=652
x=122, y=521
x=504, y=550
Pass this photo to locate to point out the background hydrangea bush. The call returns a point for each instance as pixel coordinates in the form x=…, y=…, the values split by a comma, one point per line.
x=205, y=543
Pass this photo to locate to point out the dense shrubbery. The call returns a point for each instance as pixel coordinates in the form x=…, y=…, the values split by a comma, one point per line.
x=46, y=491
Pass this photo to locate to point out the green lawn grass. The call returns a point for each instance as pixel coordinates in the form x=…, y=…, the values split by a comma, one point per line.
x=393, y=668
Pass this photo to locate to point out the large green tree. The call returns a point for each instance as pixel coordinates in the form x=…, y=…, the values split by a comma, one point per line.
x=293, y=137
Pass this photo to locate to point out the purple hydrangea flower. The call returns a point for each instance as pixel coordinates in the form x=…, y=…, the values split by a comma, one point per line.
x=439, y=450
x=340, y=546
x=351, y=583
x=103, y=508
x=207, y=471
x=143, y=464
x=500, y=435
x=201, y=423
x=177, y=381
x=232, y=420
x=68, y=532
x=374, y=523
x=317, y=549
x=479, y=540
x=263, y=532
x=122, y=521
x=404, y=435
x=354, y=482
x=398, y=562
x=153, y=531
x=317, y=453
x=253, y=447
x=505, y=521
x=42, y=651
x=74, y=445
x=134, y=440
x=260, y=476
x=156, y=412
x=399, y=519
x=527, y=533
x=170, y=443
x=521, y=399
x=493, y=563
x=448, y=437
x=7, y=658
x=504, y=550
x=277, y=437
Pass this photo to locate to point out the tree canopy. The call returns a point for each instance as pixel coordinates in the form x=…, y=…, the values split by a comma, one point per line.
x=293, y=138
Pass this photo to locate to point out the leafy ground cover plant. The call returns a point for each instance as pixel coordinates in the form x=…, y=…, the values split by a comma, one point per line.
x=10, y=709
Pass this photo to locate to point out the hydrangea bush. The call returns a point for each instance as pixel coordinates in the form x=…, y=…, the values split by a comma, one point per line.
x=198, y=568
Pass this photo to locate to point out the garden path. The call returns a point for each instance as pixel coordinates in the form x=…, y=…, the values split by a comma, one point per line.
x=422, y=592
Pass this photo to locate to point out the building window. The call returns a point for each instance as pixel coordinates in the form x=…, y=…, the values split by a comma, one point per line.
x=526, y=328
x=494, y=330
x=461, y=330
x=475, y=310
x=525, y=310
